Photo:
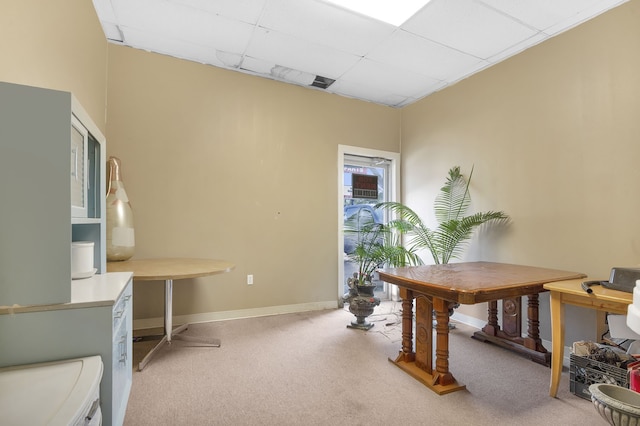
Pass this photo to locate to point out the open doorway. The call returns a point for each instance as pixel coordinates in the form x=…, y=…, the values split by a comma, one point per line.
x=380, y=170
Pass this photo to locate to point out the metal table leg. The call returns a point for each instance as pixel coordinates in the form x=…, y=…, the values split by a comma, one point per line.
x=170, y=333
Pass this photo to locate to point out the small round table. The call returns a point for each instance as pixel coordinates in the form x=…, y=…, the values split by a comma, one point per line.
x=169, y=269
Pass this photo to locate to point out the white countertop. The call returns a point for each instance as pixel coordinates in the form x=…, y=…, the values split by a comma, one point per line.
x=98, y=290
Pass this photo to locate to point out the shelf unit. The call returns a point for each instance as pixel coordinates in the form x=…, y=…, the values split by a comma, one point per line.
x=36, y=161
x=53, y=187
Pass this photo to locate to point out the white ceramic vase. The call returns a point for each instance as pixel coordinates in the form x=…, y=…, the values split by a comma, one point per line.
x=120, y=231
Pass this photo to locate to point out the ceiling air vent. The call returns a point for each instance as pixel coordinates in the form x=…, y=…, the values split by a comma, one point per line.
x=322, y=82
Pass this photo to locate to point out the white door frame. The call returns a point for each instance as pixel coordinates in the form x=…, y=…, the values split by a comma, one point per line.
x=394, y=195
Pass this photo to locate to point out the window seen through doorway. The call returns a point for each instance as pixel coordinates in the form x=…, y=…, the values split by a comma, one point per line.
x=366, y=183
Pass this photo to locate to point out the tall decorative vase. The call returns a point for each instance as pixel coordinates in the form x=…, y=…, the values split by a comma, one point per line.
x=120, y=231
x=361, y=301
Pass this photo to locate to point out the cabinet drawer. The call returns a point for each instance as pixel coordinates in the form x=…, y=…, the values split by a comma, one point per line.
x=121, y=367
x=122, y=307
x=122, y=353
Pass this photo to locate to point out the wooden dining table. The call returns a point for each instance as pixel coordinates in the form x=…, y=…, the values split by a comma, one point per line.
x=437, y=288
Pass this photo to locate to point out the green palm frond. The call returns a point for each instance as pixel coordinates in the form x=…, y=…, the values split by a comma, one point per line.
x=379, y=245
x=402, y=212
x=453, y=200
x=448, y=240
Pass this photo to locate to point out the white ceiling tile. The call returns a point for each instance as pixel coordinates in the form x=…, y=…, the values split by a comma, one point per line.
x=366, y=92
x=583, y=15
x=104, y=9
x=112, y=32
x=257, y=65
x=429, y=90
x=294, y=53
x=463, y=73
x=414, y=53
x=141, y=13
x=277, y=72
x=325, y=25
x=541, y=14
x=294, y=76
x=179, y=49
x=517, y=48
x=243, y=10
x=295, y=40
x=173, y=21
x=395, y=80
x=230, y=60
x=467, y=26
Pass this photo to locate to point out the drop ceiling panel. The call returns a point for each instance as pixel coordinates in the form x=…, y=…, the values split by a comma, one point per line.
x=258, y=66
x=105, y=11
x=324, y=25
x=468, y=26
x=112, y=32
x=517, y=48
x=247, y=11
x=177, y=48
x=177, y=22
x=295, y=40
x=582, y=16
x=393, y=79
x=298, y=54
x=373, y=93
x=542, y=14
x=413, y=53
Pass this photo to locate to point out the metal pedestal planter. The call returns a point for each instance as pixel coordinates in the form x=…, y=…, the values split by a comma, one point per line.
x=361, y=304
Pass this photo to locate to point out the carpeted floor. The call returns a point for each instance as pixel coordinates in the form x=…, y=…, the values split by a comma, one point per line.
x=309, y=369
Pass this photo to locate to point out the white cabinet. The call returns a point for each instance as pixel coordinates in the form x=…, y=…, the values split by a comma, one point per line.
x=98, y=321
x=121, y=354
x=52, y=187
x=40, y=168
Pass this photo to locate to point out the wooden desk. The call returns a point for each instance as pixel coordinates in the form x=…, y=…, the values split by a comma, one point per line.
x=570, y=292
x=437, y=287
x=169, y=270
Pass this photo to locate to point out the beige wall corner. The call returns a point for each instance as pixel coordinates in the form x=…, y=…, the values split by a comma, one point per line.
x=553, y=134
x=57, y=45
x=220, y=164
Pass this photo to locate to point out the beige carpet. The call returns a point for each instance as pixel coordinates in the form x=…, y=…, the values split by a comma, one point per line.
x=309, y=369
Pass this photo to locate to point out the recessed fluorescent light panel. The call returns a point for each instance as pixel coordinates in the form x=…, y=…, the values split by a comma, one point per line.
x=394, y=12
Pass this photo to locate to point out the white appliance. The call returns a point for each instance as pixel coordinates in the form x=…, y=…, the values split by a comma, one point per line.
x=53, y=393
x=633, y=311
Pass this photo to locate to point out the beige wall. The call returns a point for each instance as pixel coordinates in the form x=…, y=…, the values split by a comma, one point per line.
x=219, y=164
x=58, y=45
x=553, y=134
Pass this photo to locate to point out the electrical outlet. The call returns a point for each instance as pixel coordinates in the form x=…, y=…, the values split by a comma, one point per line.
x=249, y=279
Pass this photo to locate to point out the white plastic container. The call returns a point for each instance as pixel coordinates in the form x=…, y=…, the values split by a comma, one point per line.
x=633, y=311
x=82, y=259
x=59, y=393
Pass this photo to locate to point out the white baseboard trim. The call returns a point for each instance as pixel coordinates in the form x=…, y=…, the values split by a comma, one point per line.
x=478, y=323
x=470, y=321
x=144, y=323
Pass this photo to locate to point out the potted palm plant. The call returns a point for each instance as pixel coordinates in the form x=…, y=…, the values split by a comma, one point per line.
x=454, y=229
x=376, y=245
x=447, y=240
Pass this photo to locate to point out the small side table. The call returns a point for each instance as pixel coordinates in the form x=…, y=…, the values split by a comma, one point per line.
x=168, y=270
x=570, y=292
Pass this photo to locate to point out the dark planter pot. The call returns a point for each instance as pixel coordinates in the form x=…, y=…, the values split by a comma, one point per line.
x=361, y=304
